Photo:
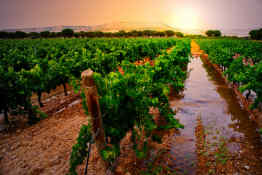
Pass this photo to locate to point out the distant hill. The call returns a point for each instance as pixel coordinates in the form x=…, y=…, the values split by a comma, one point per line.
x=51, y=29
x=109, y=27
x=128, y=26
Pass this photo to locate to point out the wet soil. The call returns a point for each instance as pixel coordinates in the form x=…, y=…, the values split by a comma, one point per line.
x=218, y=138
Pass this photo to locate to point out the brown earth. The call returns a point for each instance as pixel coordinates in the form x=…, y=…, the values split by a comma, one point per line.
x=220, y=160
x=45, y=147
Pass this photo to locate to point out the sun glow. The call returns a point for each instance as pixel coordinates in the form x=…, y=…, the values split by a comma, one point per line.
x=186, y=18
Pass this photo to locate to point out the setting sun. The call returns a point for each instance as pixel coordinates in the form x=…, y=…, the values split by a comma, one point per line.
x=186, y=18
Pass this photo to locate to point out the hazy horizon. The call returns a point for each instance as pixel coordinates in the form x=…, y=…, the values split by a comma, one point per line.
x=186, y=14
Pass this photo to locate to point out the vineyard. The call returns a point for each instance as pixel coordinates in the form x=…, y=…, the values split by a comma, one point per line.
x=134, y=90
x=241, y=63
x=127, y=87
x=38, y=66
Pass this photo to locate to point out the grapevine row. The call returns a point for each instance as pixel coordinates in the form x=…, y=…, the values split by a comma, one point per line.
x=125, y=99
x=241, y=61
x=37, y=66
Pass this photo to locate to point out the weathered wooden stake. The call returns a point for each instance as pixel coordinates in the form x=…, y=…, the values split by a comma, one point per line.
x=91, y=95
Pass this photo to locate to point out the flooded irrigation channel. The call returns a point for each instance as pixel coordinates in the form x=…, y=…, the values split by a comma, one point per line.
x=218, y=136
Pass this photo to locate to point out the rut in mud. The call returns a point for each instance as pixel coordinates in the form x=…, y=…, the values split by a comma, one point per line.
x=218, y=137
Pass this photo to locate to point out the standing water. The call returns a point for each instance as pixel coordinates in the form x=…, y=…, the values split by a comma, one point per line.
x=231, y=140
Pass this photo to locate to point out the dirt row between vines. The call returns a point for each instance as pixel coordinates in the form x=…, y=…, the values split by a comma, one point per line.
x=256, y=114
x=220, y=160
x=45, y=147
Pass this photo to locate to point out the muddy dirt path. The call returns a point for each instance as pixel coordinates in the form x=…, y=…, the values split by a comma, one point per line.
x=218, y=137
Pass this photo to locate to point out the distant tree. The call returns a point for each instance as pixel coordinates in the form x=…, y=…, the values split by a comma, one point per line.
x=33, y=35
x=98, y=34
x=59, y=34
x=193, y=36
x=108, y=34
x=45, y=34
x=148, y=33
x=209, y=33
x=53, y=35
x=4, y=35
x=90, y=34
x=256, y=34
x=77, y=34
x=121, y=33
x=161, y=34
x=213, y=33
x=20, y=34
x=217, y=33
x=82, y=34
x=68, y=33
x=139, y=33
x=11, y=35
x=179, y=34
x=169, y=33
x=155, y=33
x=133, y=33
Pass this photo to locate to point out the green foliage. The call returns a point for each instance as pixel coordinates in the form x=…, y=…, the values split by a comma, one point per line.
x=213, y=33
x=20, y=34
x=110, y=153
x=194, y=36
x=92, y=34
x=125, y=99
x=260, y=131
x=4, y=35
x=241, y=61
x=45, y=34
x=34, y=35
x=256, y=34
x=79, y=150
x=169, y=33
x=68, y=32
x=179, y=34
x=40, y=65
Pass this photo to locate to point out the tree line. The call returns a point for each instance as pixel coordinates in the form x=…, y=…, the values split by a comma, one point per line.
x=69, y=33
x=256, y=34
x=253, y=34
x=213, y=33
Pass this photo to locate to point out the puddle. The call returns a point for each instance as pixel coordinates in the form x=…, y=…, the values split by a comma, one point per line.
x=206, y=95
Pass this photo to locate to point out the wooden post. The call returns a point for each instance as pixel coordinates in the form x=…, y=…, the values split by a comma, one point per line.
x=91, y=95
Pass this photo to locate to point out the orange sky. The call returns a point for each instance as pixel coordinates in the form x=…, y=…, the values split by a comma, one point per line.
x=178, y=13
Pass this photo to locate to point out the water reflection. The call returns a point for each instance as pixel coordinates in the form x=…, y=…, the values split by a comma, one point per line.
x=207, y=95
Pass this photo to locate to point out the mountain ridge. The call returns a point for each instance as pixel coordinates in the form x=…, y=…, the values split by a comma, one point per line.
x=127, y=26
x=107, y=27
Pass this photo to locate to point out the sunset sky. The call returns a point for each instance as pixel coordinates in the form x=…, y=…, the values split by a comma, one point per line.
x=177, y=13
